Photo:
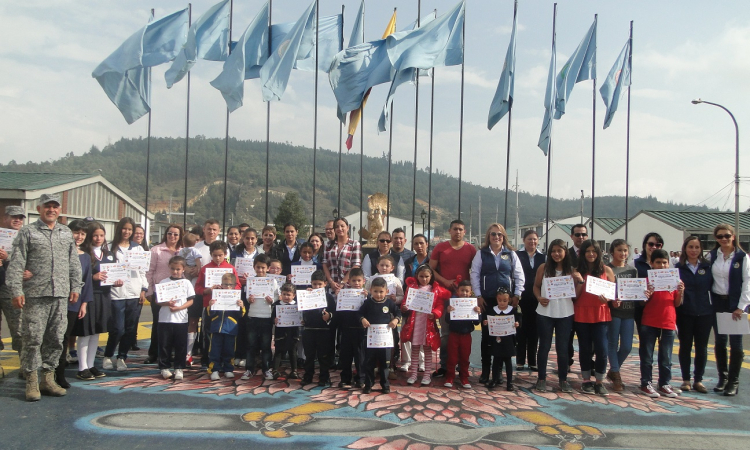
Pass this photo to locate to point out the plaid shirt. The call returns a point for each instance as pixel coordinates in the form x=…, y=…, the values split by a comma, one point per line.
x=341, y=261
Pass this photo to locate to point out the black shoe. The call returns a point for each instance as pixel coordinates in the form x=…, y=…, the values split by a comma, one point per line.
x=483, y=379
x=733, y=386
x=366, y=390
x=386, y=390
x=510, y=388
x=357, y=385
x=305, y=381
x=533, y=368
x=324, y=383
x=150, y=360
x=343, y=385
x=439, y=373
x=721, y=385
x=85, y=375
x=97, y=373
x=60, y=378
x=491, y=385
x=135, y=348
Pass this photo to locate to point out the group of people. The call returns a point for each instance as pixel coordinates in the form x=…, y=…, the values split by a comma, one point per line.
x=54, y=268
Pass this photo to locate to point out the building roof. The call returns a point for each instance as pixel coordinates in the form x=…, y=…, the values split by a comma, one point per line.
x=610, y=224
x=24, y=181
x=698, y=220
x=566, y=227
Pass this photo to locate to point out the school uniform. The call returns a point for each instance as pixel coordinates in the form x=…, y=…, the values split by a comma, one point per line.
x=459, y=348
x=503, y=347
x=285, y=341
x=223, y=328
x=317, y=341
x=378, y=313
x=352, y=347
x=173, y=328
x=259, y=326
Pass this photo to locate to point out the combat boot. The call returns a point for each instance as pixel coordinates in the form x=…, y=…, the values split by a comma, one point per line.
x=48, y=386
x=32, y=387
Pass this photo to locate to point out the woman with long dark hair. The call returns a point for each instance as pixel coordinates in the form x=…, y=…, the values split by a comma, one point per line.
x=528, y=338
x=342, y=255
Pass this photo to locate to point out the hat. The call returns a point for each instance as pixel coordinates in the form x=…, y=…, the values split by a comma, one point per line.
x=47, y=198
x=14, y=210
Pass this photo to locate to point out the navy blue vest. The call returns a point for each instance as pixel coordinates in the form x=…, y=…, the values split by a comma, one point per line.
x=492, y=277
x=735, y=278
x=695, y=299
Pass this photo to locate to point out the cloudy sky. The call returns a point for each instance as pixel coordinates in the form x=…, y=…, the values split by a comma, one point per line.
x=682, y=50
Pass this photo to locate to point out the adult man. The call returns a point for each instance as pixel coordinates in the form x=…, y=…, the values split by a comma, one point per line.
x=578, y=234
x=46, y=248
x=399, y=244
x=13, y=220
x=451, y=262
x=329, y=232
x=210, y=234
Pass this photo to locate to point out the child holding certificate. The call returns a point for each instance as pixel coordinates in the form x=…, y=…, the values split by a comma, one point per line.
x=222, y=326
x=173, y=320
x=420, y=328
x=503, y=347
x=306, y=252
x=352, y=347
x=623, y=315
x=386, y=266
x=378, y=309
x=286, y=338
x=459, y=340
x=258, y=320
x=316, y=336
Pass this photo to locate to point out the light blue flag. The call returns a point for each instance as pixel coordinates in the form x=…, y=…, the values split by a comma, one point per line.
x=549, y=102
x=274, y=75
x=580, y=66
x=124, y=74
x=207, y=39
x=247, y=56
x=331, y=29
x=358, y=30
x=436, y=44
x=355, y=70
x=503, y=100
x=618, y=78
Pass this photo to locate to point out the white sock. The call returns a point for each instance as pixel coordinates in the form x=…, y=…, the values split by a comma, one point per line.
x=82, y=343
x=91, y=355
x=190, y=342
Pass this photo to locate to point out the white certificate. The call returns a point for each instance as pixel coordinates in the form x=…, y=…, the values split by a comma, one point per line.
x=115, y=272
x=559, y=287
x=301, y=275
x=727, y=325
x=138, y=259
x=288, y=316
x=314, y=299
x=172, y=290
x=244, y=267
x=631, y=289
x=390, y=279
x=280, y=279
x=6, y=238
x=213, y=275
x=260, y=288
x=664, y=279
x=226, y=299
x=463, y=309
x=419, y=300
x=501, y=325
x=379, y=336
x=350, y=299
x=597, y=286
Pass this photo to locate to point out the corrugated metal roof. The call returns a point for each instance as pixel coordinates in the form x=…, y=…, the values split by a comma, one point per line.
x=609, y=224
x=568, y=228
x=703, y=220
x=25, y=181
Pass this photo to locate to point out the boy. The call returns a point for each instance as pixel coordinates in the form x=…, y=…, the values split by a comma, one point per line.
x=385, y=266
x=173, y=322
x=258, y=322
x=286, y=338
x=503, y=347
x=378, y=309
x=352, y=337
x=459, y=341
x=223, y=328
x=316, y=336
x=659, y=322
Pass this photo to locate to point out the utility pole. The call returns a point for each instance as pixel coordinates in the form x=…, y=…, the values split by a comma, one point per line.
x=581, y=205
x=517, y=234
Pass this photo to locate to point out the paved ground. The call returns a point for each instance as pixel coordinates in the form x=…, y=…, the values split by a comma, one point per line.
x=138, y=409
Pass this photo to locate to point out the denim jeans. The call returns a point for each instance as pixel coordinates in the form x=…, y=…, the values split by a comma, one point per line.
x=563, y=327
x=648, y=338
x=122, y=327
x=620, y=341
x=596, y=334
x=694, y=330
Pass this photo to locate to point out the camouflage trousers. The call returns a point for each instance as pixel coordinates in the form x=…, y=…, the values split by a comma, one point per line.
x=43, y=326
x=13, y=317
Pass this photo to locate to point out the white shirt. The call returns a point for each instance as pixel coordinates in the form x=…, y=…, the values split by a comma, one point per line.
x=476, y=268
x=557, y=308
x=181, y=316
x=369, y=270
x=720, y=271
x=205, y=251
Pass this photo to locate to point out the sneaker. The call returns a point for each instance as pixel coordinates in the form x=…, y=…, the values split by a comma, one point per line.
x=215, y=376
x=107, y=363
x=439, y=373
x=178, y=374
x=667, y=391
x=343, y=385
x=676, y=390
x=412, y=379
x=85, y=375
x=276, y=374
x=466, y=386
x=588, y=387
x=293, y=376
x=649, y=391
x=72, y=356
x=242, y=363
x=520, y=367
x=541, y=385
x=426, y=380
x=99, y=352
x=404, y=368
x=566, y=387
x=356, y=385
x=229, y=375
x=247, y=375
x=121, y=366
x=268, y=374
x=599, y=389
x=166, y=374
x=97, y=373
x=448, y=385
x=420, y=368
x=366, y=390
x=189, y=361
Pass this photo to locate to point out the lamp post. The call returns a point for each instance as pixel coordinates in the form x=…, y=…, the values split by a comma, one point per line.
x=423, y=215
x=335, y=213
x=736, y=165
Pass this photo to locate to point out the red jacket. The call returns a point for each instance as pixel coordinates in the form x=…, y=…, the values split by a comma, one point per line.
x=200, y=283
x=433, y=335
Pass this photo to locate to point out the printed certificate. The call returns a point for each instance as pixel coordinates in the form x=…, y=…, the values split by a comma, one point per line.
x=350, y=299
x=6, y=238
x=379, y=336
x=314, y=299
x=173, y=290
x=244, y=267
x=390, y=279
x=214, y=274
x=226, y=299
x=463, y=309
x=115, y=272
x=597, y=286
x=419, y=300
x=260, y=288
x=138, y=259
x=280, y=279
x=559, y=287
x=501, y=325
x=288, y=316
x=631, y=289
x=664, y=279
x=301, y=275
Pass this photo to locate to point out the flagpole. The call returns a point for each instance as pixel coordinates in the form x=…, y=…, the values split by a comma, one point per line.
x=627, y=139
x=148, y=149
x=416, y=129
x=461, y=124
x=226, y=138
x=549, y=151
x=187, y=131
x=593, y=146
x=268, y=115
x=429, y=176
x=315, y=115
x=341, y=125
x=390, y=152
x=361, y=145
x=507, y=151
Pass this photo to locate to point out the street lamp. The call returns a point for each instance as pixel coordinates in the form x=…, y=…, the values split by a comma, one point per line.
x=423, y=215
x=335, y=213
x=736, y=165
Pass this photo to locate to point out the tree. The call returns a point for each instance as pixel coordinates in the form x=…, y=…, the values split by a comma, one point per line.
x=291, y=210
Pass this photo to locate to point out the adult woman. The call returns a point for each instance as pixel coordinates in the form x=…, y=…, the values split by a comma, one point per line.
x=554, y=315
x=342, y=255
x=317, y=242
x=159, y=269
x=695, y=316
x=370, y=262
x=651, y=242
x=495, y=264
x=233, y=240
x=730, y=293
x=139, y=237
x=592, y=318
x=531, y=258
x=287, y=251
x=419, y=245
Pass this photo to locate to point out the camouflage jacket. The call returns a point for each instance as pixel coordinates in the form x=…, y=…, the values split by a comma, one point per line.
x=51, y=256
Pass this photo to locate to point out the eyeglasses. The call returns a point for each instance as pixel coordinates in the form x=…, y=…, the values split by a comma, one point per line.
x=329, y=229
x=384, y=241
x=227, y=285
x=495, y=234
x=580, y=235
x=173, y=234
x=654, y=244
x=723, y=236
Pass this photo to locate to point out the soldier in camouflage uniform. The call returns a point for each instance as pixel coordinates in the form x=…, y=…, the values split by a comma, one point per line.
x=45, y=248
x=13, y=219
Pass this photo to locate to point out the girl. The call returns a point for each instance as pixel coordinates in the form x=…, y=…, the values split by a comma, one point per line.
x=651, y=242
x=139, y=237
x=554, y=315
x=503, y=348
x=125, y=299
x=420, y=328
x=233, y=240
x=531, y=258
x=620, y=335
x=592, y=317
x=419, y=245
x=306, y=251
x=317, y=243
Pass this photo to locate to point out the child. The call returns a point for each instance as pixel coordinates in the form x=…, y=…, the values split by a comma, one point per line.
x=316, y=336
x=503, y=348
x=385, y=266
x=245, y=249
x=659, y=322
x=306, y=251
x=286, y=338
x=189, y=252
x=192, y=258
x=274, y=267
x=259, y=324
x=459, y=340
x=173, y=322
x=420, y=328
x=268, y=234
x=223, y=328
x=352, y=347
x=378, y=309
x=623, y=315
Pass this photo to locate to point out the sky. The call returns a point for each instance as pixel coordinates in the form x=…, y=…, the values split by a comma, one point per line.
x=682, y=50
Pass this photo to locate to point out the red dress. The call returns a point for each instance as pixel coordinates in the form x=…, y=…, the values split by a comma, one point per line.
x=433, y=335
